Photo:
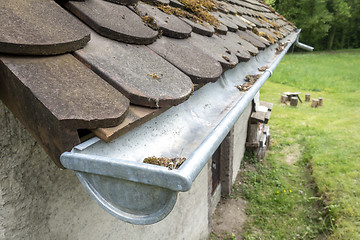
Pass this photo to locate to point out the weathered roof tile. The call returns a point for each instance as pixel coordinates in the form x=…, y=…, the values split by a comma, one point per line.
x=122, y=2
x=55, y=96
x=259, y=38
x=176, y=3
x=248, y=46
x=198, y=65
x=200, y=28
x=232, y=42
x=113, y=21
x=254, y=41
x=226, y=21
x=214, y=46
x=221, y=29
x=240, y=23
x=77, y=94
x=136, y=71
x=170, y=25
x=24, y=32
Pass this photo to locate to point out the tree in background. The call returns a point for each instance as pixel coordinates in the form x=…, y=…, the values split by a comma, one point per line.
x=340, y=11
x=325, y=24
x=353, y=31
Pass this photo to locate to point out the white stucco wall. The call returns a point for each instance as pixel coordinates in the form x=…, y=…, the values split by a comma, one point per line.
x=40, y=201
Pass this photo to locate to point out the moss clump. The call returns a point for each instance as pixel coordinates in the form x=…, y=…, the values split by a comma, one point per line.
x=281, y=47
x=155, y=76
x=245, y=87
x=150, y=22
x=263, y=68
x=178, y=12
x=195, y=10
x=277, y=34
x=250, y=80
x=268, y=21
x=265, y=35
x=170, y=163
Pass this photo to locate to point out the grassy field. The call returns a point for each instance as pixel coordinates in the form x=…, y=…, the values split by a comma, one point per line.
x=308, y=187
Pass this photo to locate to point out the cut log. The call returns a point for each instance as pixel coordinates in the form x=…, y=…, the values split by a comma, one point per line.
x=252, y=136
x=315, y=103
x=320, y=101
x=268, y=140
x=267, y=104
x=294, y=101
x=258, y=117
x=307, y=97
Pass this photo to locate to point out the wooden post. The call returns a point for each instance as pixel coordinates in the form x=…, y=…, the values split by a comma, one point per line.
x=294, y=101
x=321, y=101
x=283, y=99
x=307, y=97
x=268, y=140
x=315, y=103
x=252, y=136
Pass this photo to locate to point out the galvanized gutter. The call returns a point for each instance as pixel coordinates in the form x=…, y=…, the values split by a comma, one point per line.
x=139, y=193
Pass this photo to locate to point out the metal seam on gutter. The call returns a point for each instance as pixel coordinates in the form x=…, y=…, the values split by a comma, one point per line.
x=205, y=150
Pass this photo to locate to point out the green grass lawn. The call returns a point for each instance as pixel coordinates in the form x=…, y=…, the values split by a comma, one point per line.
x=308, y=187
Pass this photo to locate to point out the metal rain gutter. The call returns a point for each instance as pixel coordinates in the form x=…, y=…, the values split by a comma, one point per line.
x=139, y=193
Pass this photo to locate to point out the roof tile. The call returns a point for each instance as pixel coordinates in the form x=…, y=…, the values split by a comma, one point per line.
x=55, y=96
x=248, y=46
x=122, y=2
x=24, y=32
x=170, y=25
x=77, y=94
x=176, y=3
x=200, y=28
x=221, y=29
x=254, y=41
x=232, y=42
x=226, y=21
x=136, y=71
x=215, y=47
x=198, y=65
x=240, y=23
x=257, y=37
x=113, y=21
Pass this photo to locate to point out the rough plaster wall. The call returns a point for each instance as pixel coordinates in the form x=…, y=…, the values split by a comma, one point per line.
x=23, y=197
x=40, y=201
x=240, y=133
